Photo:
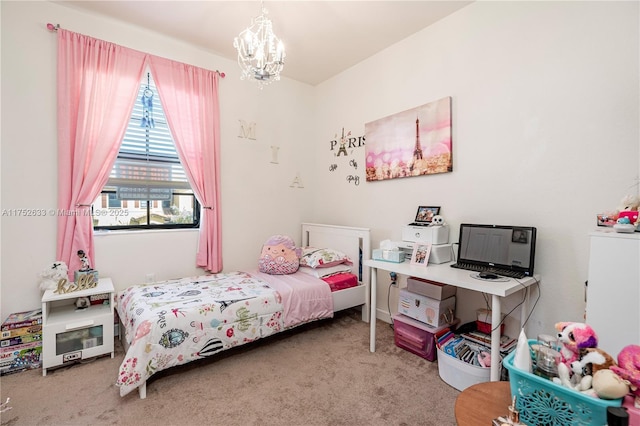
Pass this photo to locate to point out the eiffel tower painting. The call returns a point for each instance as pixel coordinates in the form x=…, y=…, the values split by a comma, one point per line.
x=397, y=149
x=417, y=151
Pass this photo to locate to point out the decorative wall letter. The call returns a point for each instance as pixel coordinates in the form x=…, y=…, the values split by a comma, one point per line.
x=274, y=154
x=247, y=131
x=297, y=182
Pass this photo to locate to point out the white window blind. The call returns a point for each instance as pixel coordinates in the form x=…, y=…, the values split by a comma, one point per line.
x=147, y=167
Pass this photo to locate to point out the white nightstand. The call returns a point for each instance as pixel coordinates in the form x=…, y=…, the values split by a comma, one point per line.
x=71, y=334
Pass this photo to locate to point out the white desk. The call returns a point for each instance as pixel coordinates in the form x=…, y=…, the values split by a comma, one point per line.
x=445, y=274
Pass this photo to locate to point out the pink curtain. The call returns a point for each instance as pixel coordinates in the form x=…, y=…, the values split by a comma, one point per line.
x=97, y=87
x=189, y=96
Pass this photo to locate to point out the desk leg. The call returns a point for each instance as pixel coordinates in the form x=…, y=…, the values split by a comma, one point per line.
x=372, y=308
x=495, y=338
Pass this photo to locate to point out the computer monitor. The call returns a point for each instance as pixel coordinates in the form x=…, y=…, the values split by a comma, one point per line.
x=510, y=248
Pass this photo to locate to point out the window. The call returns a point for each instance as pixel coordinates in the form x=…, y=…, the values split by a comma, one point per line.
x=147, y=187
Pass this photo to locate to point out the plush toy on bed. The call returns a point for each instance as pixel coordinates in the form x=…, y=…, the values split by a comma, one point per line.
x=279, y=256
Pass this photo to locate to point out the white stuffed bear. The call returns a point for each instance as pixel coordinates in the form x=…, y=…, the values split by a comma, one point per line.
x=49, y=277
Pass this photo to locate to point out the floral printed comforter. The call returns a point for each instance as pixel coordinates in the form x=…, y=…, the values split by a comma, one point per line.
x=174, y=322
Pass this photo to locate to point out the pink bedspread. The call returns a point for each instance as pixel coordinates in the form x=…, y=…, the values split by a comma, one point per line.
x=312, y=301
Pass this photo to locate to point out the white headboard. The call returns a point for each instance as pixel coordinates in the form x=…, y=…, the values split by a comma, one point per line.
x=349, y=240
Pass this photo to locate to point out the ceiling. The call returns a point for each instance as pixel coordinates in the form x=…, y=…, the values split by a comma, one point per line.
x=322, y=38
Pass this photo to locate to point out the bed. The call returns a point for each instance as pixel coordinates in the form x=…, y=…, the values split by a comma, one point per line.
x=170, y=323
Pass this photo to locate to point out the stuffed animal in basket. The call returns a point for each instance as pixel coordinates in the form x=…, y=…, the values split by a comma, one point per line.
x=628, y=368
x=279, y=256
x=572, y=337
x=592, y=360
x=608, y=385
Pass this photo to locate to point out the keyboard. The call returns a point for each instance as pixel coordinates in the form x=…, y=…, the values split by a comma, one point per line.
x=493, y=270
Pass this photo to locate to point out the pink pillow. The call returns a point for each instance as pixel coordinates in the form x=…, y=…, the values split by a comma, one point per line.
x=279, y=256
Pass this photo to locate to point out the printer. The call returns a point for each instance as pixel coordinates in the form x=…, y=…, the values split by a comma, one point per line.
x=436, y=235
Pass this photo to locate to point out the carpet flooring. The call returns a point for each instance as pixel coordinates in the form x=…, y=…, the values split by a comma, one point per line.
x=317, y=374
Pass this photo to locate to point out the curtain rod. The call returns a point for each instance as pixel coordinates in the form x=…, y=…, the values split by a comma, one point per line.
x=55, y=27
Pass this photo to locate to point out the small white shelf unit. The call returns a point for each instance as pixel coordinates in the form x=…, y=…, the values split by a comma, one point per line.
x=70, y=334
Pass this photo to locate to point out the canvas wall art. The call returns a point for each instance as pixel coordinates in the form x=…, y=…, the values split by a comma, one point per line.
x=415, y=142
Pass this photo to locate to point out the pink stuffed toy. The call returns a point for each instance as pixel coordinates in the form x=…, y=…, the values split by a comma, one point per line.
x=574, y=336
x=279, y=256
x=629, y=369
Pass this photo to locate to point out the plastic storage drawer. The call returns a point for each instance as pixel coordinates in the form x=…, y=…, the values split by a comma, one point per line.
x=415, y=336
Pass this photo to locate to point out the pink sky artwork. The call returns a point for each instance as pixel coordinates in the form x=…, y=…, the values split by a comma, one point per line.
x=394, y=150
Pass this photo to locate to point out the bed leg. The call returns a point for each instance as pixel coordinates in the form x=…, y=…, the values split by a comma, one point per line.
x=366, y=316
x=142, y=390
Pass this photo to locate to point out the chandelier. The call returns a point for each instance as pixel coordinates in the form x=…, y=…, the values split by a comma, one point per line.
x=260, y=53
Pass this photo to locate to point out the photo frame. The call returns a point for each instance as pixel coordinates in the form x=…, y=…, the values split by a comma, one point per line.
x=420, y=255
x=425, y=214
x=519, y=236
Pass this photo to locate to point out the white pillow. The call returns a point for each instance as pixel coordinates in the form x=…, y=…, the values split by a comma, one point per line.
x=325, y=272
x=323, y=257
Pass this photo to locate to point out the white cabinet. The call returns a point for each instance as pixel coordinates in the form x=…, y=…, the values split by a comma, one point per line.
x=71, y=334
x=613, y=290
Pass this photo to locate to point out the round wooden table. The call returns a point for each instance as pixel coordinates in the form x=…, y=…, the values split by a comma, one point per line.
x=479, y=404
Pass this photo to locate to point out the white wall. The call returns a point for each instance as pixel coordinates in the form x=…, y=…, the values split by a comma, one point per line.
x=545, y=133
x=257, y=199
x=545, y=109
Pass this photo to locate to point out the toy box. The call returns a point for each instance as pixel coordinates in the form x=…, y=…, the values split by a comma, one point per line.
x=431, y=289
x=540, y=401
x=483, y=321
x=19, y=358
x=17, y=332
x=430, y=311
x=22, y=319
x=460, y=374
x=415, y=336
x=20, y=340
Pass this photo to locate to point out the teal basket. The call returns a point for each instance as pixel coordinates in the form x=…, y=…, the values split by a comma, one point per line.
x=544, y=403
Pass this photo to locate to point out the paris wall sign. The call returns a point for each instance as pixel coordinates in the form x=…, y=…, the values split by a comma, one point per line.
x=343, y=148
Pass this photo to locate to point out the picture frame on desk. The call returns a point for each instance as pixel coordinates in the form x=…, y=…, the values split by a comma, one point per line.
x=420, y=254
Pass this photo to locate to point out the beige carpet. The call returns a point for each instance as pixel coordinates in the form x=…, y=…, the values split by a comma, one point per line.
x=318, y=374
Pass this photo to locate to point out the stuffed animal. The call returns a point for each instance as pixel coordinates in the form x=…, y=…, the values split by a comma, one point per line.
x=279, y=256
x=572, y=337
x=628, y=368
x=592, y=360
x=630, y=203
x=49, y=277
x=608, y=385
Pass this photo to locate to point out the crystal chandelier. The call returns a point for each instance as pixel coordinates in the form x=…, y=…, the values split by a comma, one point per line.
x=260, y=53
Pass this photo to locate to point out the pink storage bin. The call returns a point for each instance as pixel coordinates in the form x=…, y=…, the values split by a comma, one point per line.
x=416, y=337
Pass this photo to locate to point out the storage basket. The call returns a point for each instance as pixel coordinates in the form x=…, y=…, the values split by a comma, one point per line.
x=544, y=403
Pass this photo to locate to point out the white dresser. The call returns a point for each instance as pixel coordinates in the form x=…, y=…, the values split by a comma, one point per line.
x=613, y=289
